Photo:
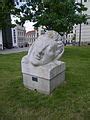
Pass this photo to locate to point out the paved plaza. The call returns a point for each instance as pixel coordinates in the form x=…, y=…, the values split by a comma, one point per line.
x=13, y=50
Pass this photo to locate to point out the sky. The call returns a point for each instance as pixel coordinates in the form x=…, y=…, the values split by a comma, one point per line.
x=28, y=25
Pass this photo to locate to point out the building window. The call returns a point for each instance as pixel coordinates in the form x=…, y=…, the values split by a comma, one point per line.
x=85, y=0
x=14, y=35
x=18, y=33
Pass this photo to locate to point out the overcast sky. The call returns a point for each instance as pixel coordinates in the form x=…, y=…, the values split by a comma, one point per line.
x=28, y=25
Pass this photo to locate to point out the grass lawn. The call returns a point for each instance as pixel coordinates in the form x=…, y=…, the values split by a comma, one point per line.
x=70, y=101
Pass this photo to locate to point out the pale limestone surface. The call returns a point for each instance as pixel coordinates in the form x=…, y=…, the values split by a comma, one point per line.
x=48, y=77
x=47, y=71
x=45, y=49
x=41, y=69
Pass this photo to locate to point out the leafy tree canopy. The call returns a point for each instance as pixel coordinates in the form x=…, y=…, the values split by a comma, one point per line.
x=5, y=9
x=58, y=15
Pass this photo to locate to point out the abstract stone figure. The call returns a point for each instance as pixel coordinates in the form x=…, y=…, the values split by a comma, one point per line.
x=46, y=48
x=41, y=69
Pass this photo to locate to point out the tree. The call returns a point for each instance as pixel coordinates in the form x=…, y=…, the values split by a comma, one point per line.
x=6, y=7
x=58, y=15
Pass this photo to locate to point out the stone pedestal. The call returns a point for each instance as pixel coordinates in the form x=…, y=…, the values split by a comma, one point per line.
x=43, y=78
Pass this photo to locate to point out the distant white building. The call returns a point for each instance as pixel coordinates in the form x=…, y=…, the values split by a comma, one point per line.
x=40, y=31
x=85, y=28
x=70, y=37
x=18, y=36
x=31, y=36
x=1, y=40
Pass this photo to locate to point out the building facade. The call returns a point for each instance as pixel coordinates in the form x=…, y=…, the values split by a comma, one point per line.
x=18, y=36
x=31, y=36
x=70, y=38
x=41, y=31
x=1, y=40
x=85, y=28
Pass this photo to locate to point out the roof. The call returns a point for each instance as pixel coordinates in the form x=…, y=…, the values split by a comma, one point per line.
x=31, y=32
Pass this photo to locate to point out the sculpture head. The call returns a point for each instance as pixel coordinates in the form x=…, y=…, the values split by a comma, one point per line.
x=46, y=48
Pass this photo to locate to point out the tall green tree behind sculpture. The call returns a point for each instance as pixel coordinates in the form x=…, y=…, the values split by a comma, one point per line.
x=5, y=10
x=6, y=7
x=58, y=15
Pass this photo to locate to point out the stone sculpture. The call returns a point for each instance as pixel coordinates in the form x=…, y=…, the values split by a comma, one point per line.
x=40, y=67
x=45, y=49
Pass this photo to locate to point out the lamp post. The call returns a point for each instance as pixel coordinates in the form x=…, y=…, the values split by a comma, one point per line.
x=80, y=30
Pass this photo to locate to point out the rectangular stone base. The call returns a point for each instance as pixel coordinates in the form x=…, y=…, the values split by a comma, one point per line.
x=43, y=85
